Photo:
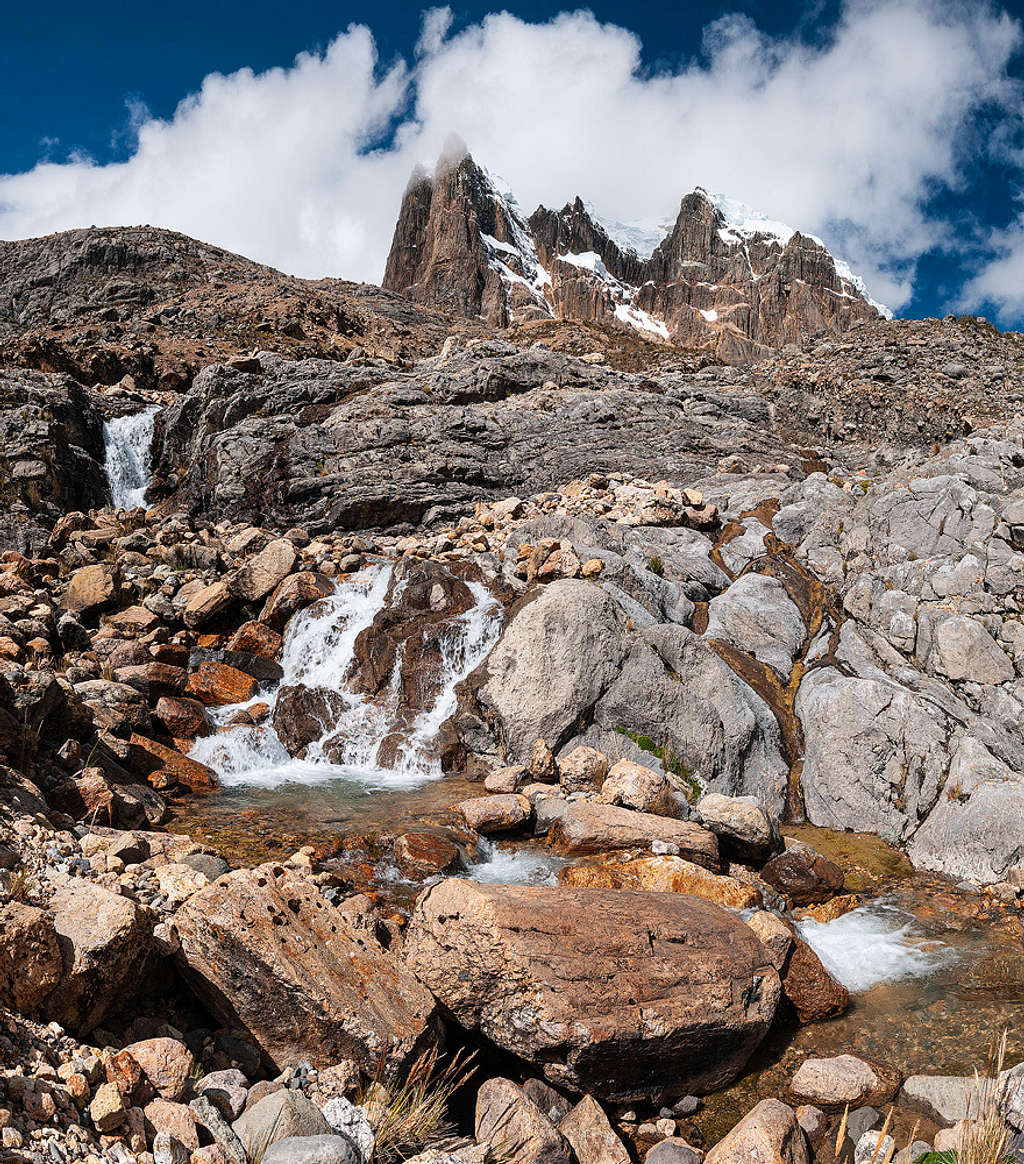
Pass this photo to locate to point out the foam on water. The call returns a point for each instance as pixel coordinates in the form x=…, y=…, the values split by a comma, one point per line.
x=873, y=944
x=127, y=444
x=319, y=652
x=515, y=866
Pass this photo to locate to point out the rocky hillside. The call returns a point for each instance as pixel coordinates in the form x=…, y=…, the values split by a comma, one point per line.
x=646, y=725
x=154, y=307
x=722, y=277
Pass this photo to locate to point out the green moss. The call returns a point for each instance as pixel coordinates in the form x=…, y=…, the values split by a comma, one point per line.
x=670, y=762
x=657, y=566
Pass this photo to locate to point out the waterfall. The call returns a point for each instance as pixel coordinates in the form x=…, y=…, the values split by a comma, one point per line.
x=319, y=652
x=127, y=442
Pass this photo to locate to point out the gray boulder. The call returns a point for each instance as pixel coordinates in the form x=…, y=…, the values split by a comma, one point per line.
x=757, y=616
x=312, y=1150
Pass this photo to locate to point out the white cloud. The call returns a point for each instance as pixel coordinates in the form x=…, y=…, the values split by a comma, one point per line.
x=1000, y=282
x=304, y=167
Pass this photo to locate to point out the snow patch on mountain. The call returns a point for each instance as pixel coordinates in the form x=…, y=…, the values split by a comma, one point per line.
x=642, y=237
x=515, y=262
x=743, y=222
x=623, y=294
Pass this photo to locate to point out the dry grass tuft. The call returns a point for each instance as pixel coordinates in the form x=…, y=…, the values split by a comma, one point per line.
x=410, y=1115
x=987, y=1135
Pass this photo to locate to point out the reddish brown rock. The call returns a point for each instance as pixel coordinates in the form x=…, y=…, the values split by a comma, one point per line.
x=591, y=1136
x=814, y=993
x=294, y=593
x=216, y=684
x=184, y=719
x=421, y=855
x=630, y=995
x=30, y=957
x=256, y=638
x=804, y=876
x=151, y=757
x=268, y=954
x=166, y=1064
x=153, y=677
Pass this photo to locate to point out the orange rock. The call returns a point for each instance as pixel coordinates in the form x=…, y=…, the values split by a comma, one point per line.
x=830, y=910
x=663, y=875
x=182, y=718
x=152, y=757
x=217, y=683
x=211, y=642
x=256, y=638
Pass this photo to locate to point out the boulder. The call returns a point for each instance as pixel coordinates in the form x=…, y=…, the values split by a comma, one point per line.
x=582, y=769
x=280, y=1116
x=294, y=593
x=105, y=941
x=312, y=1150
x=743, y=828
x=814, y=993
x=107, y=1109
x=350, y=1121
x=151, y=756
x=562, y=649
x=844, y=1080
x=756, y=615
x=263, y=572
x=662, y=875
x=587, y=827
x=504, y=1116
x=171, y=1119
x=673, y=1150
x=183, y=719
x=495, y=814
x=204, y=606
x=256, y=638
x=591, y=1136
x=634, y=786
x=116, y=707
x=267, y=953
x=30, y=957
x=774, y=935
x=92, y=589
x=873, y=1146
x=226, y=1090
x=631, y=995
x=166, y=1064
x=422, y=855
x=216, y=684
x=804, y=876
x=769, y=1134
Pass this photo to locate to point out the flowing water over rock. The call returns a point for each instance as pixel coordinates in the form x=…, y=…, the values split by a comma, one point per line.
x=128, y=441
x=319, y=657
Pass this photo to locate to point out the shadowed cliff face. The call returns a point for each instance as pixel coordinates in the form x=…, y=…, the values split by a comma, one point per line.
x=462, y=245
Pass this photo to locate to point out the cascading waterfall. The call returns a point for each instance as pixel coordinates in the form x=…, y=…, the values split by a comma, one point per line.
x=318, y=652
x=128, y=444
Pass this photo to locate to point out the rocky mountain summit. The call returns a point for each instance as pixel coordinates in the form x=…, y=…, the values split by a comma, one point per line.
x=721, y=278
x=380, y=685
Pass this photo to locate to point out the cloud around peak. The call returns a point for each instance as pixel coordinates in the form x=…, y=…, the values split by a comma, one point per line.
x=303, y=167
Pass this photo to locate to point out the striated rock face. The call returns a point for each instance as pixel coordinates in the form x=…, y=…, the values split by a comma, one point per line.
x=268, y=953
x=460, y=246
x=620, y=994
x=721, y=278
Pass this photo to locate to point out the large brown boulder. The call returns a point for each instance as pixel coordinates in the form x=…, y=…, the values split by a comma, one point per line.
x=93, y=588
x=588, y=827
x=620, y=994
x=814, y=993
x=105, y=942
x=265, y=571
x=662, y=875
x=806, y=877
x=268, y=953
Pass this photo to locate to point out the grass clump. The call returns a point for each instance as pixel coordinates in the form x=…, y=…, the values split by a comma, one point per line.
x=410, y=1114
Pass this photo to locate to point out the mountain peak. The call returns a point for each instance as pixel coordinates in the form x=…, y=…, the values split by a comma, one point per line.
x=721, y=276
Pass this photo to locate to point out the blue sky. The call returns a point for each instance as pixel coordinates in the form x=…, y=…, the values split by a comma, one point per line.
x=892, y=128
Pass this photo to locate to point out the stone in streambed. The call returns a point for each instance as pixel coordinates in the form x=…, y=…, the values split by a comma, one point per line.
x=803, y=875
x=631, y=995
x=844, y=1080
x=662, y=875
x=495, y=814
x=587, y=827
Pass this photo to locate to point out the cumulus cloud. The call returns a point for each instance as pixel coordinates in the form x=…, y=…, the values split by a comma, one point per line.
x=848, y=136
x=999, y=285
